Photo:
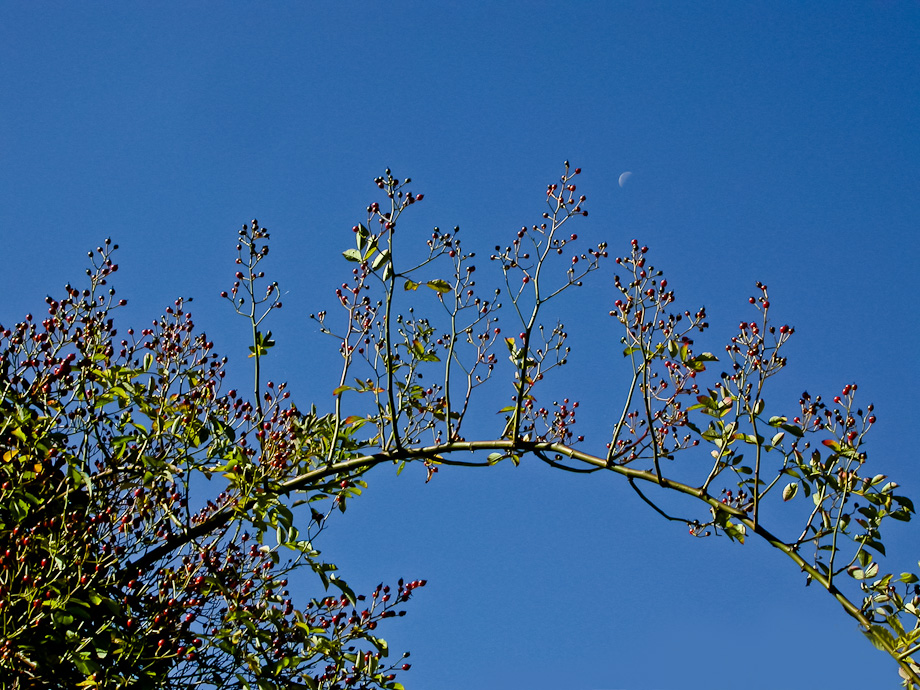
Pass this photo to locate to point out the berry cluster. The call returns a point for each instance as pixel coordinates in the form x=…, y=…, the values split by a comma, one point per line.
x=659, y=346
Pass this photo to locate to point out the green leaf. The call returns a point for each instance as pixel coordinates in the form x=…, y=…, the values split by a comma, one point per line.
x=790, y=491
x=367, y=245
x=735, y=532
x=792, y=429
x=62, y=618
x=871, y=543
x=263, y=343
x=697, y=363
x=85, y=666
x=382, y=258
x=495, y=457
x=346, y=590
x=410, y=285
x=352, y=255
x=880, y=637
x=440, y=286
x=750, y=438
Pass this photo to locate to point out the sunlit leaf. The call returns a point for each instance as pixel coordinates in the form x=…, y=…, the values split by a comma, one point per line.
x=440, y=286
x=880, y=637
x=382, y=258
x=735, y=531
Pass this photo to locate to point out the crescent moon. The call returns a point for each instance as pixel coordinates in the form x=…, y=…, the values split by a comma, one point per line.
x=624, y=178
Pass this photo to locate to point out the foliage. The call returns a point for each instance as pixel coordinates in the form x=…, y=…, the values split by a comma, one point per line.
x=117, y=570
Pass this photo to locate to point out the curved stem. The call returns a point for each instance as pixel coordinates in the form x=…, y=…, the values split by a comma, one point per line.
x=436, y=452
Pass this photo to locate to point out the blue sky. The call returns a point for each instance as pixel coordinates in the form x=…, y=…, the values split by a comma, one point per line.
x=768, y=141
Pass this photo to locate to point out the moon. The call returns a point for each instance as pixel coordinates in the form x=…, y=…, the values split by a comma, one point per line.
x=624, y=178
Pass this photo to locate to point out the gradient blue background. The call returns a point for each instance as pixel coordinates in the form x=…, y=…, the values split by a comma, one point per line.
x=769, y=141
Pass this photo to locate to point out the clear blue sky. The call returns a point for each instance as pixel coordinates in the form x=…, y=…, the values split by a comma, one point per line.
x=768, y=141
